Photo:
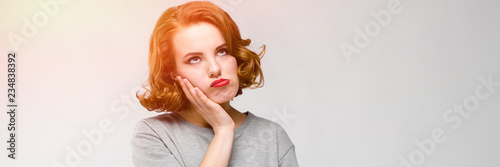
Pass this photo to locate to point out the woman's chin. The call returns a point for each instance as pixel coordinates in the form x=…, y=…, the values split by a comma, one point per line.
x=222, y=100
x=223, y=96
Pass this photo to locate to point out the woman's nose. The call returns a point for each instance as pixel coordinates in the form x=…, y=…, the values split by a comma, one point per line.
x=214, y=69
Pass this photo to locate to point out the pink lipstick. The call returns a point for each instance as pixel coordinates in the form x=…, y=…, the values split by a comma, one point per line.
x=219, y=83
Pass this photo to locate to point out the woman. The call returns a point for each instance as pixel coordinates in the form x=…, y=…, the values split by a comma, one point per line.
x=198, y=63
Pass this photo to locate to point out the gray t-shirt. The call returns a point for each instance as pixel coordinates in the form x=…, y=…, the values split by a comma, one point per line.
x=169, y=140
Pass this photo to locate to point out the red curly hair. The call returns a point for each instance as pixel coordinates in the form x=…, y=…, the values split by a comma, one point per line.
x=162, y=92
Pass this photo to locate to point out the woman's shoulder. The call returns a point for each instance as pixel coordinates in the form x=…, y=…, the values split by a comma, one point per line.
x=259, y=124
x=166, y=116
x=161, y=121
x=267, y=130
x=258, y=121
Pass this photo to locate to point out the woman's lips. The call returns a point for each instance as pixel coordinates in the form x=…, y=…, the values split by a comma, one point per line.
x=219, y=83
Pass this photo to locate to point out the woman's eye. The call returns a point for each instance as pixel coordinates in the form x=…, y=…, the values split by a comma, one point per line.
x=222, y=52
x=194, y=60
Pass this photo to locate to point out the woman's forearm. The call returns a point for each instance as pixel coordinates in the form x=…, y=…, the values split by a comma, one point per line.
x=219, y=150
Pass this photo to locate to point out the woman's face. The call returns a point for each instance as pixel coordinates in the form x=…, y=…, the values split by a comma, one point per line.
x=202, y=57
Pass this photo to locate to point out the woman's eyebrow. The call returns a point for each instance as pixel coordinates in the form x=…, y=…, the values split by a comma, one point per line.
x=193, y=54
x=199, y=53
x=220, y=46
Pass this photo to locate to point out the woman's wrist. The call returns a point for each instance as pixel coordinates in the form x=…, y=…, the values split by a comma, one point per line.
x=228, y=130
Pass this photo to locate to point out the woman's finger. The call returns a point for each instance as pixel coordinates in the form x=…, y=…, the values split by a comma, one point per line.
x=204, y=99
x=184, y=87
x=194, y=95
x=190, y=93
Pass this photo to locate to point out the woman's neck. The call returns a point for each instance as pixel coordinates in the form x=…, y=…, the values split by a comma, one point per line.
x=192, y=116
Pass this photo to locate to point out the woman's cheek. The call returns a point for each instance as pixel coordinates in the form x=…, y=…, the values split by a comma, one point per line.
x=194, y=79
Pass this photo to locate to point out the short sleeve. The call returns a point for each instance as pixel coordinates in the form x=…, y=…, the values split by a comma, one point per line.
x=286, y=149
x=289, y=159
x=149, y=150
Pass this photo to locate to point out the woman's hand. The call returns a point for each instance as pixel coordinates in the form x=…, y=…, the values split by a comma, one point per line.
x=219, y=150
x=212, y=112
